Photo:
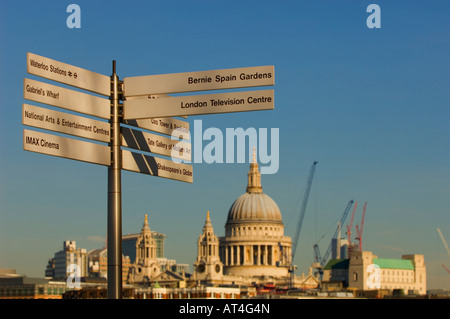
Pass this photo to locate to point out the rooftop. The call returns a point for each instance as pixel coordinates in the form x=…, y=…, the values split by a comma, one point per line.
x=337, y=264
x=388, y=263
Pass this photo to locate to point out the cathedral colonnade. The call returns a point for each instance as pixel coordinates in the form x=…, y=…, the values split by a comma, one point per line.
x=252, y=254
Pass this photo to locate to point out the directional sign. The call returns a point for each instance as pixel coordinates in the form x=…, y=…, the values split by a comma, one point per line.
x=168, y=126
x=68, y=74
x=65, y=123
x=147, y=164
x=65, y=98
x=156, y=144
x=199, y=104
x=66, y=147
x=199, y=81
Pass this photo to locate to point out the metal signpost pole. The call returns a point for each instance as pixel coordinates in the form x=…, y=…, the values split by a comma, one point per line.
x=114, y=198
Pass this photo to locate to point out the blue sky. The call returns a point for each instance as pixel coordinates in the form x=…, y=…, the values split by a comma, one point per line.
x=371, y=105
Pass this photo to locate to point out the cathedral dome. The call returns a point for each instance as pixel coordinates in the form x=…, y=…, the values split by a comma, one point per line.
x=251, y=207
x=254, y=205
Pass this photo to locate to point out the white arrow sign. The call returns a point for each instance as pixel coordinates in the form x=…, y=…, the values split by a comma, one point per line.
x=199, y=81
x=68, y=74
x=199, y=104
x=147, y=164
x=156, y=144
x=66, y=147
x=65, y=98
x=166, y=126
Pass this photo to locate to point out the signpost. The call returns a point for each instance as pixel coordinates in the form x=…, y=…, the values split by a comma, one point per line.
x=146, y=106
x=114, y=244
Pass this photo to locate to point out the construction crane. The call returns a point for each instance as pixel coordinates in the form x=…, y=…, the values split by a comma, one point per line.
x=443, y=241
x=291, y=267
x=359, y=231
x=446, y=269
x=284, y=256
x=349, y=227
x=318, y=258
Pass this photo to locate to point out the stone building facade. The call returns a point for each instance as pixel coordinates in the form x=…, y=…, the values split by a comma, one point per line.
x=364, y=271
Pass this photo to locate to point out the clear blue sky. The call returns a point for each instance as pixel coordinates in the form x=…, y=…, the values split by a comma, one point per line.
x=371, y=105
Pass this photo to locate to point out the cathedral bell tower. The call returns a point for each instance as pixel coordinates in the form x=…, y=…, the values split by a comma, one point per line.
x=208, y=265
x=254, y=176
x=146, y=265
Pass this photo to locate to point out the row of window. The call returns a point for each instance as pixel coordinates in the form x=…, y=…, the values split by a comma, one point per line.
x=397, y=279
x=254, y=230
x=392, y=287
x=30, y=291
x=188, y=295
x=407, y=273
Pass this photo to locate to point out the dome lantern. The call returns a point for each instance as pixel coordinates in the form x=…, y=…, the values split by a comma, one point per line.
x=254, y=205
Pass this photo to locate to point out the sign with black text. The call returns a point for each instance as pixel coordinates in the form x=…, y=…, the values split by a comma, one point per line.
x=68, y=74
x=155, y=166
x=65, y=123
x=68, y=99
x=199, y=104
x=60, y=146
x=167, y=125
x=157, y=144
x=199, y=81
